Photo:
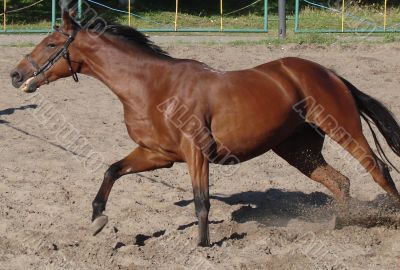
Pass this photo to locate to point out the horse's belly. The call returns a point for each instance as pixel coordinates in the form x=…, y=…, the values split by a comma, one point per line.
x=244, y=147
x=245, y=138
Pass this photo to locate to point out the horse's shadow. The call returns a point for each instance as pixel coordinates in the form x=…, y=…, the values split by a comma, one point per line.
x=10, y=111
x=276, y=208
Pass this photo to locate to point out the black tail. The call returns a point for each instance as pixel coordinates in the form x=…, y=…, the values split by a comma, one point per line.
x=373, y=111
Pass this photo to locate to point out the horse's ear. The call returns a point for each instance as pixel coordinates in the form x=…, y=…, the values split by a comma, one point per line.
x=67, y=20
x=72, y=12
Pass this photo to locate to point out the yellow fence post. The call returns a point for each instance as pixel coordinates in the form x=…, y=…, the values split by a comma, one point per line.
x=176, y=15
x=385, y=16
x=129, y=12
x=343, y=15
x=4, y=15
x=221, y=12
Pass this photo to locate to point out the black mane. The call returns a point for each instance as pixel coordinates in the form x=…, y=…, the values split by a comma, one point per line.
x=129, y=34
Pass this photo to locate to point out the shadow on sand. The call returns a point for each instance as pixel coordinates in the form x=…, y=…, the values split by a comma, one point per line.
x=276, y=208
x=10, y=111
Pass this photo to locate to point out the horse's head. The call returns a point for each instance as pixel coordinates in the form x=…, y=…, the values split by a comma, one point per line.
x=53, y=58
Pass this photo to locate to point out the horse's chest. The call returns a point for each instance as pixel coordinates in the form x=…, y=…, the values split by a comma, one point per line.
x=140, y=131
x=138, y=124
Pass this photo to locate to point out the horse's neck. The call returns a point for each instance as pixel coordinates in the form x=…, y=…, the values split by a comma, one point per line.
x=129, y=72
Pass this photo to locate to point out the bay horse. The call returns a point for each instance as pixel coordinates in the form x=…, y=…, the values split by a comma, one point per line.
x=180, y=110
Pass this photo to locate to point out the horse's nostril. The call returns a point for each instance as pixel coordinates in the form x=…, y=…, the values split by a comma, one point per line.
x=16, y=76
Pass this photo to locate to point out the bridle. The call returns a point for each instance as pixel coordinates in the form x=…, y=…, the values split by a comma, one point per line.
x=62, y=52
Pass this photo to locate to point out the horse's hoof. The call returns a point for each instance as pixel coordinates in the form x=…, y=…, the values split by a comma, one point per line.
x=99, y=223
x=333, y=223
x=205, y=243
x=343, y=220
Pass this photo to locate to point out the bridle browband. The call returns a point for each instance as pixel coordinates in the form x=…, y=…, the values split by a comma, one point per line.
x=62, y=52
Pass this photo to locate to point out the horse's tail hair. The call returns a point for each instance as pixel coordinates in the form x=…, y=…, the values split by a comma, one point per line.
x=374, y=112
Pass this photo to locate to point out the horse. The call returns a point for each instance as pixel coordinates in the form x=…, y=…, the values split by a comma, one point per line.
x=182, y=110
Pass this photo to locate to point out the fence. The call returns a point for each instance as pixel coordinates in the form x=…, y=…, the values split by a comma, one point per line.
x=39, y=21
x=343, y=16
x=174, y=21
x=330, y=16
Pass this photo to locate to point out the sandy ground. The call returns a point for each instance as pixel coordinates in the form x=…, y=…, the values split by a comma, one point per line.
x=265, y=216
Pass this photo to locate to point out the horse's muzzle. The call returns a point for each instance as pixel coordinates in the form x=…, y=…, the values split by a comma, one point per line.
x=17, y=78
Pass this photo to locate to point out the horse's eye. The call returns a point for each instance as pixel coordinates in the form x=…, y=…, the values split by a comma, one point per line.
x=51, y=45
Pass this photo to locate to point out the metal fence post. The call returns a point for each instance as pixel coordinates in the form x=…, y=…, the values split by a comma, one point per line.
x=176, y=15
x=282, y=18
x=221, y=13
x=296, y=16
x=53, y=13
x=79, y=9
x=265, y=15
x=4, y=15
x=129, y=12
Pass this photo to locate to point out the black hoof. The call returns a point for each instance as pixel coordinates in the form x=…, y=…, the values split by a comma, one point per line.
x=99, y=223
x=205, y=243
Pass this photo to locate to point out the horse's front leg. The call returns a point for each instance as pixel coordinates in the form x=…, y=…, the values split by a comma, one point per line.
x=199, y=172
x=139, y=160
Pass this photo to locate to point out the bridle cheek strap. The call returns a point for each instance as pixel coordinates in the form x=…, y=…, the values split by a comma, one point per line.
x=71, y=70
x=63, y=52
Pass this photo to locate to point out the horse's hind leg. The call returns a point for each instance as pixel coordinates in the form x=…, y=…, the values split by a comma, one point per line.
x=302, y=150
x=353, y=141
x=344, y=127
x=139, y=160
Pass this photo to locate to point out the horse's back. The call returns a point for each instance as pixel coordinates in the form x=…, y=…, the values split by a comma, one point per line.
x=257, y=109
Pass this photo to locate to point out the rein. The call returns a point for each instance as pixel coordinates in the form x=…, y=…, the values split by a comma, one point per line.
x=63, y=52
